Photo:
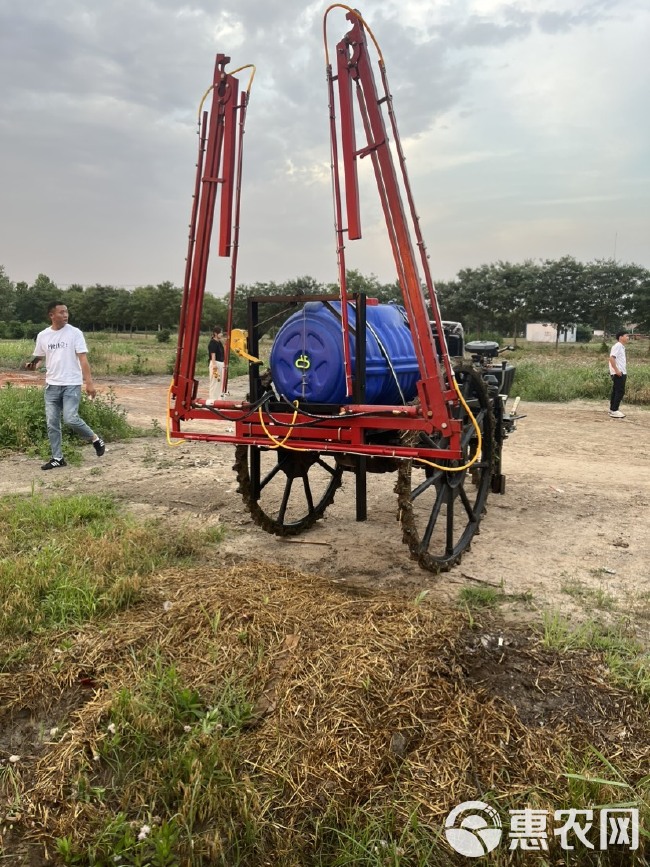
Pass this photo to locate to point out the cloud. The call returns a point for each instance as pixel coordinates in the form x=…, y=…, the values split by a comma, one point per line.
x=503, y=108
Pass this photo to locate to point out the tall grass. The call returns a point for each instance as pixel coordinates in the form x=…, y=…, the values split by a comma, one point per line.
x=577, y=376
x=545, y=372
x=23, y=427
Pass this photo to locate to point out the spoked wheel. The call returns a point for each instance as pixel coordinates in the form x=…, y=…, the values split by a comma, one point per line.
x=286, y=491
x=441, y=510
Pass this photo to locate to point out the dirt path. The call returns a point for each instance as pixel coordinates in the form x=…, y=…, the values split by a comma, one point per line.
x=574, y=517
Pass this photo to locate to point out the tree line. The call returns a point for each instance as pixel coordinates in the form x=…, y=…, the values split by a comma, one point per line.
x=494, y=298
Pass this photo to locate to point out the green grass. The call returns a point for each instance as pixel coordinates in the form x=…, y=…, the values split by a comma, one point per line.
x=175, y=750
x=544, y=373
x=480, y=597
x=578, y=372
x=627, y=661
x=23, y=427
x=596, y=597
x=70, y=559
x=123, y=355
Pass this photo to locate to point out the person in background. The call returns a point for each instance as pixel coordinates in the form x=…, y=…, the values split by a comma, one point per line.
x=618, y=372
x=216, y=356
x=63, y=348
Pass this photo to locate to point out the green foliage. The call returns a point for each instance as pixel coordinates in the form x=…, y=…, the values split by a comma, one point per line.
x=15, y=330
x=492, y=297
x=236, y=366
x=500, y=296
x=70, y=559
x=578, y=373
x=7, y=295
x=363, y=839
x=170, y=748
x=163, y=336
x=629, y=665
x=23, y=428
x=120, y=842
x=480, y=597
x=583, y=333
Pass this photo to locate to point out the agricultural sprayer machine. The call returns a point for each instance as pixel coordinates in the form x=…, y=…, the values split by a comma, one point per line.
x=351, y=386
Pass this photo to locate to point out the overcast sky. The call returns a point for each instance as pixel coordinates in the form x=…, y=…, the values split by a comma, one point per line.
x=525, y=126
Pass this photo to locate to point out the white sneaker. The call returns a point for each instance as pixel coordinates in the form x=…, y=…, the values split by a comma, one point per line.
x=616, y=414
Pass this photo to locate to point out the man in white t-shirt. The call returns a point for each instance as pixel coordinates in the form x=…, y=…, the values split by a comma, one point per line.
x=64, y=350
x=618, y=372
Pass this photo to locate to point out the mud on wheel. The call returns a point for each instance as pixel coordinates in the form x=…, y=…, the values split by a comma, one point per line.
x=440, y=510
x=286, y=491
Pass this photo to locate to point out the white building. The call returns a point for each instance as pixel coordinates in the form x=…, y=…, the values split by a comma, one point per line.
x=544, y=332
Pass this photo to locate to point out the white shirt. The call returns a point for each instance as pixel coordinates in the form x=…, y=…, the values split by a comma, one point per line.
x=60, y=348
x=618, y=351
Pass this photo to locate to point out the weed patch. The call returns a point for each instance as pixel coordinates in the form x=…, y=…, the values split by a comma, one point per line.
x=70, y=559
x=23, y=427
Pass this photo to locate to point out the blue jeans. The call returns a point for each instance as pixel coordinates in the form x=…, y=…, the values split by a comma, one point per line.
x=64, y=400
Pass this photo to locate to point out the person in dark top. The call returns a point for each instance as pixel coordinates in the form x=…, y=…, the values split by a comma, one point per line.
x=216, y=355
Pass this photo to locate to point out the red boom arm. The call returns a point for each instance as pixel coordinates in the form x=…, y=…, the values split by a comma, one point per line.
x=218, y=173
x=354, y=73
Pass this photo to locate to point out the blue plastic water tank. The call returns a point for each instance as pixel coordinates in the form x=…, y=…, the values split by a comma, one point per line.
x=307, y=355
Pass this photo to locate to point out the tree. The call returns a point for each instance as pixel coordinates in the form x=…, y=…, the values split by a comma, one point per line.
x=610, y=290
x=168, y=304
x=215, y=312
x=472, y=303
x=32, y=301
x=7, y=296
x=358, y=282
x=641, y=309
x=559, y=294
x=119, y=310
x=512, y=287
x=92, y=312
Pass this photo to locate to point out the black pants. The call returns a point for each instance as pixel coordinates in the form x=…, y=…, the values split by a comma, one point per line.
x=618, y=390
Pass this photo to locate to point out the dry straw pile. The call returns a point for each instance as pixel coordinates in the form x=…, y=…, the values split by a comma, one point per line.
x=356, y=701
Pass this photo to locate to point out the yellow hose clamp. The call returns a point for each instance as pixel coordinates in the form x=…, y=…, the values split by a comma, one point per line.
x=303, y=362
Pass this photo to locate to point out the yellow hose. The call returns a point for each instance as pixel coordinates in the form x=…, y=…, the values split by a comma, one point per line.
x=358, y=17
x=212, y=86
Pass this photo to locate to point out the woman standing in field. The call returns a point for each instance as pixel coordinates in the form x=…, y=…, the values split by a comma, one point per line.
x=216, y=357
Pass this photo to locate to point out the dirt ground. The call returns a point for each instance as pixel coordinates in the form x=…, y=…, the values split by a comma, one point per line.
x=574, y=517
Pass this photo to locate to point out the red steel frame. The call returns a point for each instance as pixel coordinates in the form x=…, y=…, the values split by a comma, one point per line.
x=219, y=172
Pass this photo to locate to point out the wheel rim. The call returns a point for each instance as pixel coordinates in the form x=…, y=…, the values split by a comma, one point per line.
x=286, y=491
x=441, y=510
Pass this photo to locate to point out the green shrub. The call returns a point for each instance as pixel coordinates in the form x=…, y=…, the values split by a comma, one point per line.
x=12, y=330
x=23, y=428
x=163, y=336
x=584, y=333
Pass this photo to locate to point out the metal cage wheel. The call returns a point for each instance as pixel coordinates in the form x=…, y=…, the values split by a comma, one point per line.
x=286, y=491
x=440, y=511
